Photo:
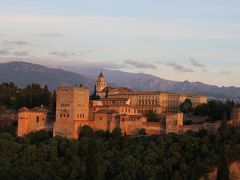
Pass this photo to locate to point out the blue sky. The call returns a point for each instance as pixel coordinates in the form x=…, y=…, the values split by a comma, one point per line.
x=178, y=40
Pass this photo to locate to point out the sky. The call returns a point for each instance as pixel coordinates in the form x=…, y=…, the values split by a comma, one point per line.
x=176, y=40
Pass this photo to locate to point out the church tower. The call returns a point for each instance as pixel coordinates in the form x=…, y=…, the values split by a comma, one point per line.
x=100, y=83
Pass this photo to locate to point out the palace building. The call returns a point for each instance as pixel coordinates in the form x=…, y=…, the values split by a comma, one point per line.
x=144, y=101
x=35, y=119
x=118, y=107
x=72, y=108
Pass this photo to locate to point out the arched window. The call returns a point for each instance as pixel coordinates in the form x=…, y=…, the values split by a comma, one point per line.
x=149, y=102
x=139, y=102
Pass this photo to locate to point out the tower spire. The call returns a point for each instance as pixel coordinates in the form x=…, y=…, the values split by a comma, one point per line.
x=100, y=84
x=101, y=73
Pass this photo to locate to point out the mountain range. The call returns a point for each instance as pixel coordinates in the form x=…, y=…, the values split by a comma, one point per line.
x=24, y=73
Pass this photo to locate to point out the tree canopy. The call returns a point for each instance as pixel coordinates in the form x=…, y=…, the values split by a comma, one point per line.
x=33, y=95
x=112, y=156
x=215, y=110
x=186, y=107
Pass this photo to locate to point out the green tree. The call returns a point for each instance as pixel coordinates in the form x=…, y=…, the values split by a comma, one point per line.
x=142, y=131
x=116, y=133
x=223, y=170
x=186, y=107
x=215, y=110
x=94, y=96
x=92, y=161
x=152, y=116
x=86, y=131
x=54, y=100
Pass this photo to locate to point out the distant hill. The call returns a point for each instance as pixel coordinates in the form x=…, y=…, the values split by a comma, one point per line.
x=141, y=81
x=23, y=73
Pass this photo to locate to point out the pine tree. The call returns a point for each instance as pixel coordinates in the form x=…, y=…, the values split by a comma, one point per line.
x=223, y=170
x=95, y=90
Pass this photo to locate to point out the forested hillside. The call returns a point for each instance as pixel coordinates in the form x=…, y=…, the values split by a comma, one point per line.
x=102, y=155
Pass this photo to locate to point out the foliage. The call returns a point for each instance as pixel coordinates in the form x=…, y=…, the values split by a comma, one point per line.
x=33, y=95
x=152, y=116
x=9, y=129
x=112, y=156
x=94, y=96
x=142, y=131
x=187, y=122
x=215, y=110
x=223, y=170
x=116, y=133
x=86, y=131
x=186, y=107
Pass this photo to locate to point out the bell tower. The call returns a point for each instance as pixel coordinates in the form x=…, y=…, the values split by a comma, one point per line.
x=100, y=83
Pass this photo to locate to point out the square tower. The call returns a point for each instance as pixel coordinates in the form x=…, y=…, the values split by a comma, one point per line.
x=72, y=106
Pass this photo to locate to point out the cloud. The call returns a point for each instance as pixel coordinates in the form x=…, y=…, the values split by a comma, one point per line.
x=21, y=53
x=92, y=64
x=158, y=62
x=51, y=34
x=139, y=64
x=4, y=52
x=130, y=27
x=108, y=65
x=11, y=52
x=196, y=63
x=225, y=72
x=86, y=52
x=62, y=54
x=17, y=43
x=14, y=58
x=178, y=67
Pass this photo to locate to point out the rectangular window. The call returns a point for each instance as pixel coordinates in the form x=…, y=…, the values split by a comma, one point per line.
x=37, y=119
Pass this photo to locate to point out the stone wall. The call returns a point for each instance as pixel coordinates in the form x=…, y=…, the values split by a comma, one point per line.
x=31, y=120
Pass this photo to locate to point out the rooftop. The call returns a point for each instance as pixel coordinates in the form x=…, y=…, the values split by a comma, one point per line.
x=107, y=111
x=114, y=99
x=101, y=74
x=154, y=93
x=35, y=109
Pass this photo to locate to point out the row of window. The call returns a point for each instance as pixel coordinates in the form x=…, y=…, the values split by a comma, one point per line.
x=127, y=110
x=65, y=105
x=67, y=115
x=38, y=119
x=80, y=115
x=113, y=102
x=148, y=102
x=146, y=111
x=148, y=97
x=64, y=115
x=130, y=119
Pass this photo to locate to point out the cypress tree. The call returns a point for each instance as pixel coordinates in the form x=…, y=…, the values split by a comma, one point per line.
x=223, y=170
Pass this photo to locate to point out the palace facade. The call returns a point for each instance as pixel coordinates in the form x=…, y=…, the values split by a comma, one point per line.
x=35, y=119
x=117, y=107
